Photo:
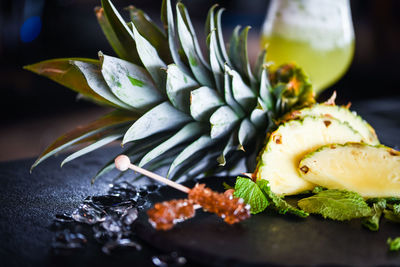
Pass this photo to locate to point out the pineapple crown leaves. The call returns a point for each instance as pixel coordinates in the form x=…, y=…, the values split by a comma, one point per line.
x=173, y=106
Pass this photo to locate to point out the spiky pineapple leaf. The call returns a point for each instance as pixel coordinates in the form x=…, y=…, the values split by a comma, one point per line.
x=223, y=92
x=210, y=21
x=238, y=54
x=119, y=48
x=233, y=48
x=195, y=166
x=117, y=32
x=199, y=70
x=203, y=102
x=63, y=72
x=246, y=132
x=135, y=151
x=259, y=118
x=164, y=15
x=228, y=94
x=244, y=58
x=188, y=133
x=230, y=146
x=130, y=83
x=103, y=170
x=113, y=119
x=221, y=42
x=150, y=59
x=191, y=150
x=266, y=98
x=222, y=121
x=151, y=32
x=216, y=60
x=259, y=66
x=162, y=117
x=96, y=82
x=185, y=15
x=172, y=38
x=179, y=85
x=241, y=92
x=99, y=143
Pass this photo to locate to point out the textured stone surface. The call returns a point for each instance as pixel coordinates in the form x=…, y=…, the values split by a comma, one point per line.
x=29, y=203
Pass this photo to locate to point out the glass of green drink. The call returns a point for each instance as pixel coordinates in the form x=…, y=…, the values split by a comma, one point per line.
x=318, y=35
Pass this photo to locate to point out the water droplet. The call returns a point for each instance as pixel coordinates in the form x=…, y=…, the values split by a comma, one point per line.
x=152, y=188
x=63, y=218
x=130, y=216
x=67, y=240
x=120, y=243
x=88, y=213
x=125, y=190
x=172, y=259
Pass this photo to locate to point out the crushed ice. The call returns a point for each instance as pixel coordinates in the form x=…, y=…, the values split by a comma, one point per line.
x=110, y=216
x=67, y=240
x=171, y=259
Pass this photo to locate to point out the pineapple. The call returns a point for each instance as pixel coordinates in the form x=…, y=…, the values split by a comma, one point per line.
x=341, y=113
x=173, y=106
x=371, y=171
x=279, y=161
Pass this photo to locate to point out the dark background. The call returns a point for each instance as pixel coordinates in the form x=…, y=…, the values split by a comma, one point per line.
x=69, y=29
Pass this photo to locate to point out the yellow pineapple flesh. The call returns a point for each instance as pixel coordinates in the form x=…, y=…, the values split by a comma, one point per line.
x=371, y=171
x=279, y=161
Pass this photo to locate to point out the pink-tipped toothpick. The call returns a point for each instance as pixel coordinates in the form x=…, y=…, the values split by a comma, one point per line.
x=123, y=163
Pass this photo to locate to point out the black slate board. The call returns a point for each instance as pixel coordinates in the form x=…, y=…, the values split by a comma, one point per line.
x=30, y=201
x=270, y=238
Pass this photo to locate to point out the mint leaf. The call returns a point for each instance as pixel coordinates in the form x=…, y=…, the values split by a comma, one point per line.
x=392, y=213
x=278, y=203
x=389, y=200
x=394, y=244
x=336, y=204
x=250, y=192
x=372, y=222
x=318, y=189
x=396, y=209
x=391, y=216
x=227, y=186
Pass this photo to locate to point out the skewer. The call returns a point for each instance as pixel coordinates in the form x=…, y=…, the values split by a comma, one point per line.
x=123, y=163
x=166, y=214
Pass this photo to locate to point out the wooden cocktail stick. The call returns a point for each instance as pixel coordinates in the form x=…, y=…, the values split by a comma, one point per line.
x=165, y=215
x=123, y=163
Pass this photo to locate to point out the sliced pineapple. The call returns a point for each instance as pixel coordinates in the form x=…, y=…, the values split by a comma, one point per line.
x=342, y=114
x=371, y=171
x=286, y=146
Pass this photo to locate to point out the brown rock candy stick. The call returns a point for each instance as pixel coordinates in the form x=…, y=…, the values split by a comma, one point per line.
x=165, y=215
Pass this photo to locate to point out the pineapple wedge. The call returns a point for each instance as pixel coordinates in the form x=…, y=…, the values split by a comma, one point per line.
x=279, y=161
x=342, y=114
x=371, y=171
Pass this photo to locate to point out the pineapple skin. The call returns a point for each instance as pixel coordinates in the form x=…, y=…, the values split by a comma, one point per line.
x=371, y=171
x=279, y=160
x=341, y=113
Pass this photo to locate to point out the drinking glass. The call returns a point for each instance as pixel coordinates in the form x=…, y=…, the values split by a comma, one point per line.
x=318, y=35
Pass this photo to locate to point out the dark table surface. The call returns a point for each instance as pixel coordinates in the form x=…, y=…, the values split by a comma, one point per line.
x=30, y=201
